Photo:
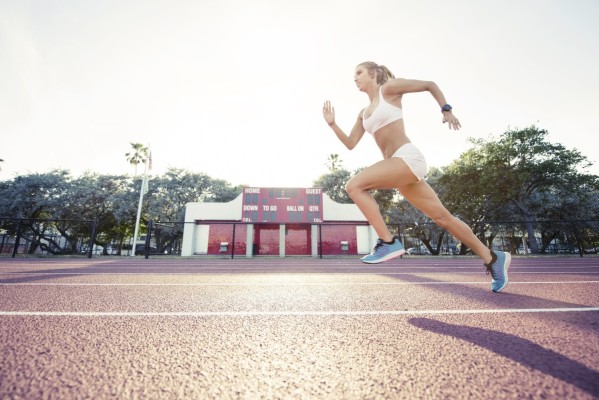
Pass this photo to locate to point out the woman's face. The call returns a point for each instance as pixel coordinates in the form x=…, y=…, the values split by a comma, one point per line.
x=362, y=78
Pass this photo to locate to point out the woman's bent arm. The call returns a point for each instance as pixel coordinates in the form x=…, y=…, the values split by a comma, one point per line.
x=356, y=133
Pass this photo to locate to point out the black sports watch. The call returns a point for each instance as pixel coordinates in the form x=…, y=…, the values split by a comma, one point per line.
x=446, y=107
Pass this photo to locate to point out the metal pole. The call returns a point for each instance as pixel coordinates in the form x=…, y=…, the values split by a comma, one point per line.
x=320, y=240
x=92, y=238
x=141, y=197
x=233, y=242
x=148, y=238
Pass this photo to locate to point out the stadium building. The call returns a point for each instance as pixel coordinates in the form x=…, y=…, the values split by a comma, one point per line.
x=276, y=222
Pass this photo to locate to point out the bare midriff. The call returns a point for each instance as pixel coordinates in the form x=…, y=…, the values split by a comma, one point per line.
x=391, y=137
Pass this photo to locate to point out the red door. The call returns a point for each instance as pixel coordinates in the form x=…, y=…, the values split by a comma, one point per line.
x=298, y=240
x=266, y=240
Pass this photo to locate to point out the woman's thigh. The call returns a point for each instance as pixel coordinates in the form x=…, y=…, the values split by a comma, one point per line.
x=390, y=173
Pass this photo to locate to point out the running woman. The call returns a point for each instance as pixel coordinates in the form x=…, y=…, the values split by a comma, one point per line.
x=403, y=166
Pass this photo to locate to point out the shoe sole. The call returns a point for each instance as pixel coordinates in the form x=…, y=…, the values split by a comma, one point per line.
x=508, y=261
x=388, y=257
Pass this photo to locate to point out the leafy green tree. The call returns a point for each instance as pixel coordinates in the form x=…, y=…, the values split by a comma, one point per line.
x=467, y=193
x=55, y=212
x=571, y=215
x=110, y=200
x=107, y=199
x=169, y=195
x=33, y=195
x=28, y=201
x=513, y=178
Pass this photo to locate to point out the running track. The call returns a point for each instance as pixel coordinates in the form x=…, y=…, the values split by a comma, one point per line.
x=297, y=328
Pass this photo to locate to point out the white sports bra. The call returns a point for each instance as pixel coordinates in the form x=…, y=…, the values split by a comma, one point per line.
x=383, y=115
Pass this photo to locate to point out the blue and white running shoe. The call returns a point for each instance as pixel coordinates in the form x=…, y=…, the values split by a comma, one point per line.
x=498, y=270
x=384, y=251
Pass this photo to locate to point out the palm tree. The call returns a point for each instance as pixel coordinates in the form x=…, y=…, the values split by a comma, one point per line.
x=334, y=162
x=138, y=155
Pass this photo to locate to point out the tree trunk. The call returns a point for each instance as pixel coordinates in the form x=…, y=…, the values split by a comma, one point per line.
x=532, y=240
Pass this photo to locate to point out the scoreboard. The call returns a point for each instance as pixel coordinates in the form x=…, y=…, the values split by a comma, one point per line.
x=282, y=205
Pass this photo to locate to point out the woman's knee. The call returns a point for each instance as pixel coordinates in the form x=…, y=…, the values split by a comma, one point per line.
x=352, y=186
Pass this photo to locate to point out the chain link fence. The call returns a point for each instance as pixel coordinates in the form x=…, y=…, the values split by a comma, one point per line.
x=517, y=237
x=53, y=237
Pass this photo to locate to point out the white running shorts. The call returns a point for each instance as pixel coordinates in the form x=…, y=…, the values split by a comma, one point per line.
x=414, y=158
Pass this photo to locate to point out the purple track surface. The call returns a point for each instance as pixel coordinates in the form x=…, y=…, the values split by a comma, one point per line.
x=297, y=328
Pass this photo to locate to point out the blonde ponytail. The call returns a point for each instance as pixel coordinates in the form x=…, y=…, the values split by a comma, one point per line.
x=382, y=73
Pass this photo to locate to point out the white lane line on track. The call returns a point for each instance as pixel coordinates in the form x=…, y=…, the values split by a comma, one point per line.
x=296, y=284
x=288, y=313
x=283, y=267
x=246, y=272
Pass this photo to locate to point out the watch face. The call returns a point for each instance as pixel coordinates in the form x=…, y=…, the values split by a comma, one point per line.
x=446, y=107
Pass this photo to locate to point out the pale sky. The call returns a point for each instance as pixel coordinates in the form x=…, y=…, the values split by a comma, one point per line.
x=234, y=88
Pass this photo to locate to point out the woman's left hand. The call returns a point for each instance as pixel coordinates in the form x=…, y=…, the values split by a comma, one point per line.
x=451, y=120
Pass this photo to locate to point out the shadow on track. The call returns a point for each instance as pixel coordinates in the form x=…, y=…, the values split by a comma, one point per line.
x=521, y=350
x=504, y=299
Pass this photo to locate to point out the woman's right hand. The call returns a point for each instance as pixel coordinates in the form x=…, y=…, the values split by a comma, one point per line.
x=451, y=120
x=328, y=112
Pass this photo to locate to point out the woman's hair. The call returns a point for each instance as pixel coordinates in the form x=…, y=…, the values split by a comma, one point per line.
x=382, y=73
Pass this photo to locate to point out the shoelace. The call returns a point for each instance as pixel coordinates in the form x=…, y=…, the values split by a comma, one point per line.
x=490, y=266
x=378, y=245
x=490, y=271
